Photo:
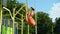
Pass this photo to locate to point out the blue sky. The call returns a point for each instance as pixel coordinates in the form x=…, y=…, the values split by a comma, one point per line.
x=48, y=6
x=41, y=5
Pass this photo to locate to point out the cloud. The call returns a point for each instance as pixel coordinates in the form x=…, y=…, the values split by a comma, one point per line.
x=55, y=11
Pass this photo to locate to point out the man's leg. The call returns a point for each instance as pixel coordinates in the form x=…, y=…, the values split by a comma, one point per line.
x=31, y=21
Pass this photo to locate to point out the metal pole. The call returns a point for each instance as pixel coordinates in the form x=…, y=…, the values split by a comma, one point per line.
x=22, y=25
x=35, y=17
x=8, y=10
x=0, y=15
x=28, y=28
x=36, y=24
x=13, y=26
x=26, y=11
x=13, y=19
x=17, y=28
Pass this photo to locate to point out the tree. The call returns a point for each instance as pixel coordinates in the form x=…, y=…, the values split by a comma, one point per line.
x=44, y=23
x=57, y=28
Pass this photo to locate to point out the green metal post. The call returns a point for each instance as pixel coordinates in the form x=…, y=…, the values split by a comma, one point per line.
x=17, y=28
x=26, y=11
x=0, y=15
x=28, y=28
x=36, y=23
x=13, y=18
x=13, y=26
x=35, y=17
x=22, y=25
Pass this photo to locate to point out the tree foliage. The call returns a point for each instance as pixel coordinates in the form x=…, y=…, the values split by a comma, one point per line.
x=57, y=28
x=44, y=23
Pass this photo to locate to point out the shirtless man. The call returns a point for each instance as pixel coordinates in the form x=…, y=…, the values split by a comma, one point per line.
x=29, y=17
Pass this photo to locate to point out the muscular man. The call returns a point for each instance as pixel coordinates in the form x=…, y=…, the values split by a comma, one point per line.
x=29, y=17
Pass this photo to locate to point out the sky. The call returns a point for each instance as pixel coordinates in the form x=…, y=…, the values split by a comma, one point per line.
x=52, y=7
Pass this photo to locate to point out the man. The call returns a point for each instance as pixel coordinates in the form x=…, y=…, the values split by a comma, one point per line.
x=29, y=16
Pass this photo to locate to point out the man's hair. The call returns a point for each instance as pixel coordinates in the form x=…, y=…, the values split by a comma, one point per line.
x=32, y=8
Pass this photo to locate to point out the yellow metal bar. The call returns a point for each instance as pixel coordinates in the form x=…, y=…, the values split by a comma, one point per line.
x=35, y=17
x=23, y=10
x=6, y=15
x=17, y=28
x=19, y=10
x=21, y=14
x=36, y=23
x=8, y=10
x=18, y=18
x=0, y=20
x=26, y=12
x=0, y=15
x=22, y=25
x=28, y=28
x=13, y=26
x=13, y=18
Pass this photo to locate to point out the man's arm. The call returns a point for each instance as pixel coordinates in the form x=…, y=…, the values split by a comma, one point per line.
x=32, y=11
x=26, y=15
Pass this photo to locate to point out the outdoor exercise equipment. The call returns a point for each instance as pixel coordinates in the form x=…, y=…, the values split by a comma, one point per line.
x=11, y=28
